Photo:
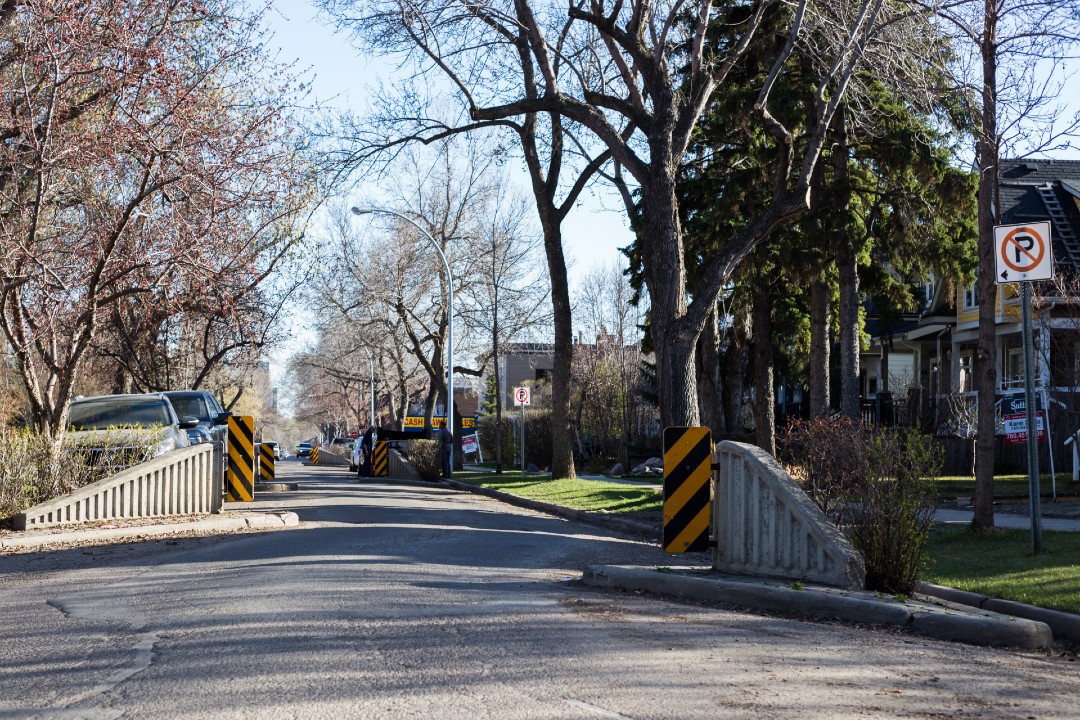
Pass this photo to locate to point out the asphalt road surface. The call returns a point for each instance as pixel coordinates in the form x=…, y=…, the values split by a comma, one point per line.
x=395, y=601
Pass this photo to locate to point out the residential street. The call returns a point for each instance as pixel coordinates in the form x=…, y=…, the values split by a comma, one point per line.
x=394, y=601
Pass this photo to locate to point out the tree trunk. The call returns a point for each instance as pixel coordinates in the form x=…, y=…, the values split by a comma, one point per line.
x=847, y=263
x=984, y=367
x=820, y=342
x=710, y=382
x=562, y=450
x=674, y=340
x=884, y=365
x=735, y=370
x=764, y=408
x=849, y=331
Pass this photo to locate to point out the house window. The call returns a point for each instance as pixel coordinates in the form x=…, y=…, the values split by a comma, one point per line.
x=966, y=379
x=971, y=296
x=1014, y=367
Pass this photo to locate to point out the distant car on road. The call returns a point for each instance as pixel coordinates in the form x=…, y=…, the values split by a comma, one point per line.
x=303, y=449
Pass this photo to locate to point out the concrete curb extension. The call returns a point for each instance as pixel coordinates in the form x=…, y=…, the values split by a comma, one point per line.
x=947, y=622
x=226, y=522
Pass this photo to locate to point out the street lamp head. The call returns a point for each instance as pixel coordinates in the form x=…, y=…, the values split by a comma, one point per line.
x=361, y=211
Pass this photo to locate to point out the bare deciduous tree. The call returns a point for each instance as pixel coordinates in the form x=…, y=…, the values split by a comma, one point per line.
x=638, y=75
x=146, y=145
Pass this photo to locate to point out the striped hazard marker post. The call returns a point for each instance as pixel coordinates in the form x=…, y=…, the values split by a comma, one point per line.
x=266, y=463
x=240, y=475
x=380, y=459
x=687, y=489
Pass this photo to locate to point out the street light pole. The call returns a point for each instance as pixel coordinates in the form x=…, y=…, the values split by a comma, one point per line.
x=449, y=317
x=371, y=369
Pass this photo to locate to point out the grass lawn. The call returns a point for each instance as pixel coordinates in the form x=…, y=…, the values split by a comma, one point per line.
x=594, y=495
x=1002, y=566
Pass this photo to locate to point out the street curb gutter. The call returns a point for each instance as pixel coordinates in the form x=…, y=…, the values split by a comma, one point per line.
x=223, y=523
x=630, y=527
x=1065, y=626
x=977, y=627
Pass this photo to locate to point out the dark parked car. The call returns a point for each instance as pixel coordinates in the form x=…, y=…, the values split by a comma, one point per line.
x=203, y=405
x=121, y=430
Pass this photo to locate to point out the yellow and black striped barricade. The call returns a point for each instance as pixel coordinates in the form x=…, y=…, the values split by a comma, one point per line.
x=240, y=474
x=687, y=489
x=380, y=459
x=313, y=456
x=266, y=463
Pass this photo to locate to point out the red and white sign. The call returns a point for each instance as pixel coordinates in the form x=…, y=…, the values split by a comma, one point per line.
x=1023, y=252
x=521, y=396
x=1015, y=427
x=468, y=443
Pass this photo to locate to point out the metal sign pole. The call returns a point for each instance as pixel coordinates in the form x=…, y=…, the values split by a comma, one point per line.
x=1032, y=429
x=1049, y=441
x=522, y=439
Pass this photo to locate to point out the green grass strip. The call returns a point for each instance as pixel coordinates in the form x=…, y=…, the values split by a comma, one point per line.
x=1001, y=565
x=596, y=495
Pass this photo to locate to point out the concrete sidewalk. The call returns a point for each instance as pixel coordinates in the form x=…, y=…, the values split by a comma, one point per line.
x=947, y=516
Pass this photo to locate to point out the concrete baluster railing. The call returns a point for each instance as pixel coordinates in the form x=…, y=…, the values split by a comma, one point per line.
x=765, y=525
x=182, y=482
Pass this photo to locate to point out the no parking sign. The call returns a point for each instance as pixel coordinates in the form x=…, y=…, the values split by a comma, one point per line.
x=1023, y=252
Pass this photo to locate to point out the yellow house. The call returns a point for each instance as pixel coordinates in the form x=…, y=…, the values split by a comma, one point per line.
x=926, y=363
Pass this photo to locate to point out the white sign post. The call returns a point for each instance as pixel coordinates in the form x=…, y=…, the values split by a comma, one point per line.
x=1023, y=253
x=521, y=399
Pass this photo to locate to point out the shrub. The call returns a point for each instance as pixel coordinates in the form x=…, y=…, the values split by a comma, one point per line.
x=486, y=428
x=891, y=515
x=30, y=474
x=424, y=456
x=876, y=485
x=829, y=456
x=537, y=436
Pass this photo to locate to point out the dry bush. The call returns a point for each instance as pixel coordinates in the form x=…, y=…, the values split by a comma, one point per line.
x=30, y=474
x=828, y=455
x=877, y=485
x=424, y=456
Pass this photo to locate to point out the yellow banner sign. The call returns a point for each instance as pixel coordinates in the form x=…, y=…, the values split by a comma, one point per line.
x=467, y=422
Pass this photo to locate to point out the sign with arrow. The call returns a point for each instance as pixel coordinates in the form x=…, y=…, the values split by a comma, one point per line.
x=1023, y=252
